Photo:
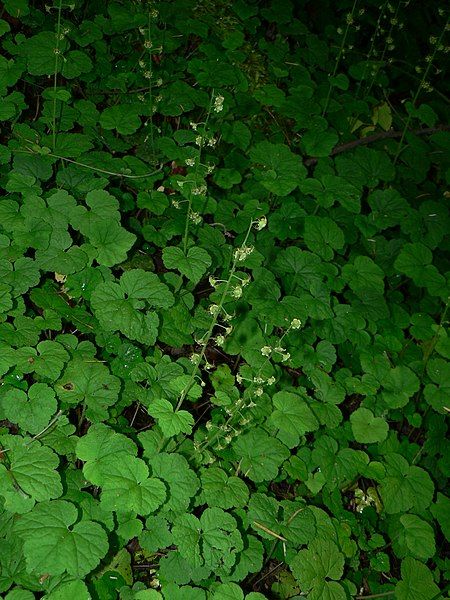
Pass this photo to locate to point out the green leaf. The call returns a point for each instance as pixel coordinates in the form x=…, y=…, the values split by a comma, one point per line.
x=122, y=117
x=31, y=411
x=319, y=143
x=263, y=515
x=31, y=472
x=118, y=307
x=367, y=428
x=39, y=51
x=212, y=541
x=441, y=512
x=67, y=590
x=111, y=241
x=292, y=414
x=193, y=265
x=323, y=236
x=47, y=362
x=100, y=447
x=183, y=483
x=127, y=487
x=75, y=63
x=405, y=487
x=89, y=382
x=419, y=536
x=414, y=261
x=139, y=284
x=316, y=566
x=399, y=385
x=20, y=275
x=54, y=544
x=437, y=393
x=277, y=168
x=218, y=489
x=171, y=422
x=365, y=167
x=364, y=276
x=417, y=582
x=261, y=456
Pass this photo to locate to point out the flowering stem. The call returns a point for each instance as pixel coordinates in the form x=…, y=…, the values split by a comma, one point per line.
x=339, y=56
x=227, y=423
x=55, y=74
x=208, y=335
x=419, y=89
x=197, y=165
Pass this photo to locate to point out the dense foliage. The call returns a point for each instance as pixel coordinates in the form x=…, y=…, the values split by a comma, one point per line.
x=224, y=282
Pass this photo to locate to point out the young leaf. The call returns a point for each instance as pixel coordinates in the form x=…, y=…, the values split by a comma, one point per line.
x=171, y=422
x=367, y=428
x=193, y=265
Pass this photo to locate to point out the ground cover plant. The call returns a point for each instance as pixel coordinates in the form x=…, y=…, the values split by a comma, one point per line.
x=224, y=288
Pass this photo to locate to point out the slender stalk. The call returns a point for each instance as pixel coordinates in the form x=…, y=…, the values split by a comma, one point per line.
x=382, y=595
x=197, y=166
x=339, y=56
x=150, y=86
x=55, y=74
x=97, y=169
x=419, y=89
x=383, y=54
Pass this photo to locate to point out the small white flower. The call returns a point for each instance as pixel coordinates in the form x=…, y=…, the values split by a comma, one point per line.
x=193, y=126
x=296, y=324
x=195, y=358
x=195, y=218
x=147, y=74
x=199, y=191
x=258, y=380
x=148, y=44
x=260, y=223
x=266, y=350
x=190, y=162
x=212, y=142
x=259, y=391
x=214, y=309
x=218, y=104
x=199, y=140
x=271, y=381
x=212, y=281
x=236, y=292
x=285, y=357
x=220, y=340
x=240, y=254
